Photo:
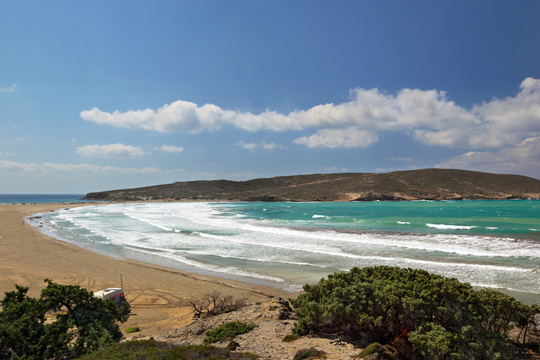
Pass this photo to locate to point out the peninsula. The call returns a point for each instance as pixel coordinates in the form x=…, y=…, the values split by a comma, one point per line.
x=425, y=184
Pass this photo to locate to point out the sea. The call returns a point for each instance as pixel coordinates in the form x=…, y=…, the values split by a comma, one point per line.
x=489, y=244
x=40, y=198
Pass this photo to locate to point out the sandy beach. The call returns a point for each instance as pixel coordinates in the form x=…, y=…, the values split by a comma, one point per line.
x=159, y=296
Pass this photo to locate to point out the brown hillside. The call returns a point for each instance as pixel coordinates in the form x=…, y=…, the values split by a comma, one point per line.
x=427, y=184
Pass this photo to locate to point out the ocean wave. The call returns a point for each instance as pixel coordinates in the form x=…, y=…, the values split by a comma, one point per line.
x=451, y=227
x=176, y=230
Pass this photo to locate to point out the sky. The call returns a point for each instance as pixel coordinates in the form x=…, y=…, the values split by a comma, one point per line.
x=102, y=95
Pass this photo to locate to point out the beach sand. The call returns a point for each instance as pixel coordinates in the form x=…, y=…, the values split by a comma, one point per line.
x=159, y=296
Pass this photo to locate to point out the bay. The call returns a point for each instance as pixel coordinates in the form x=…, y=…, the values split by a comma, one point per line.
x=493, y=244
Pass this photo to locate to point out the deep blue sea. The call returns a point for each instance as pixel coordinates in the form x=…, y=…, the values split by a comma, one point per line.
x=493, y=244
x=40, y=198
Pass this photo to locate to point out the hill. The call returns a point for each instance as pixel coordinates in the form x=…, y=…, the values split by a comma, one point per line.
x=426, y=184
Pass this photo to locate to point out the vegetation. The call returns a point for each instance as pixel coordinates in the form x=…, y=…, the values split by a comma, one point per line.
x=310, y=353
x=421, y=315
x=291, y=338
x=152, y=350
x=384, y=352
x=425, y=184
x=215, y=303
x=132, y=329
x=227, y=331
x=82, y=323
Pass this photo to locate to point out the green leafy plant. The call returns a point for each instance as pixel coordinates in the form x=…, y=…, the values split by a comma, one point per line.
x=132, y=329
x=83, y=322
x=291, y=338
x=154, y=350
x=310, y=353
x=227, y=331
x=421, y=315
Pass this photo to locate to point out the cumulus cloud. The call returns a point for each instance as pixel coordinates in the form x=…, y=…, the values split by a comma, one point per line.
x=180, y=116
x=9, y=89
x=427, y=115
x=110, y=151
x=523, y=158
x=263, y=145
x=404, y=159
x=69, y=168
x=171, y=148
x=334, y=138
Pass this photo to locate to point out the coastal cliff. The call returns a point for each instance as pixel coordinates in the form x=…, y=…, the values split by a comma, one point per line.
x=425, y=184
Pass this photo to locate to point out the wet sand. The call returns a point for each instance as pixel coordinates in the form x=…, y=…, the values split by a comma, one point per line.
x=159, y=296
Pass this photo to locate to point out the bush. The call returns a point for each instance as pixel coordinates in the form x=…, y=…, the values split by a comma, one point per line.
x=215, y=303
x=83, y=323
x=227, y=331
x=291, y=338
x=422, y=315
x=384, y=352
x=153, y=350
x=132, y=329
x=310, y=353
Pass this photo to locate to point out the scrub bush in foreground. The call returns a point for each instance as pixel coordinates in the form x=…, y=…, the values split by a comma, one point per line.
x=82, y=323
x=421, y=315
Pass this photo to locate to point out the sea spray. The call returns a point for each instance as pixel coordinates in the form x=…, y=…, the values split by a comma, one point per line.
x=486, y=243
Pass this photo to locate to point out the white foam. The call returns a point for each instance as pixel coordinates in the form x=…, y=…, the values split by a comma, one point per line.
x=450, y=227
x=188, y=232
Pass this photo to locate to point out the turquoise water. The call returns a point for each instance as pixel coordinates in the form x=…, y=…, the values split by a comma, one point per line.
x=509, y=218
x=493, y=244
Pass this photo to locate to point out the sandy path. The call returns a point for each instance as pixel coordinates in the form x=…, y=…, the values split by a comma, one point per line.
x=159, y=296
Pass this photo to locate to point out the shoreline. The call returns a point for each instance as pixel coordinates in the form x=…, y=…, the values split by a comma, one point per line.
x=159, y=295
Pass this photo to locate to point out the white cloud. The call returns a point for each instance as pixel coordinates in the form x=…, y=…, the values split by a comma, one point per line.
x=70, y=168
x=404, y=159
x=428, y=115
x=20, y=139
x=10, y=89
x=6, y=153
x=171, y=148
x=248, y=146
x=523, y=158
x=180, y=116
x=111, y=150
x=263, y=145
x=334, y=138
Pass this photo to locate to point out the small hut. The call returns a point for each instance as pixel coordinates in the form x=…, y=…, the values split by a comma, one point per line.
x=116, y=294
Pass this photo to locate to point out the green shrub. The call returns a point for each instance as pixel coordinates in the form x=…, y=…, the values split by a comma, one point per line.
x=82, y=323
x=385, y=352
x=227, y=331
x=132, y=329
x=310, y=353
x=422, y=315
x=152, y=350
x=291, y=338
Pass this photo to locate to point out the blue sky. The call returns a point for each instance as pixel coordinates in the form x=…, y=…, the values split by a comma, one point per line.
x=112, y=94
